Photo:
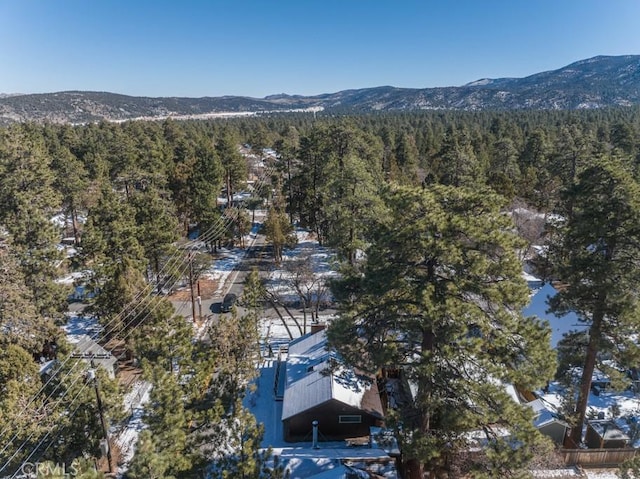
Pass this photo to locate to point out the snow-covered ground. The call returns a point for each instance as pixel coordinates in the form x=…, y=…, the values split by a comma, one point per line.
x=127, y=436
x=621, y=406
x=79, y=325
x=229, y=259
x=320, y=260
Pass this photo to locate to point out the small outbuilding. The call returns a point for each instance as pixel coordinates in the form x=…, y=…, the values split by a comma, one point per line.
x=605, y=434
x=548, y=422
x=319, y=388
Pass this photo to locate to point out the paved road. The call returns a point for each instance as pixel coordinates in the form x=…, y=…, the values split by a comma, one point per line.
x=234, y=283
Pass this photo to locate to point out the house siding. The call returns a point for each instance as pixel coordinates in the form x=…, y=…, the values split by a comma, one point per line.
x=299, y=427
x=555, y=430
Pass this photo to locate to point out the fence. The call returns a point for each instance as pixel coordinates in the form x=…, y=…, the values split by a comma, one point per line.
x=278, y=380
x=597, y=457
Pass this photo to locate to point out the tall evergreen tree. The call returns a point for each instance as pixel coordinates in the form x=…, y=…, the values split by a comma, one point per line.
x=28, y=203
x=158, y=228
x=406, y=156
x=20, y=321
x=439, y=296
x=21, y=419
x=110, y=247
x=458, y=163
x=598, y=263
x=352, y=203
x=278, y=230
x=235, y=168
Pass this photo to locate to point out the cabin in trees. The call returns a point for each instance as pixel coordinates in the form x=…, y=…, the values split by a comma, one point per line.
x=318, y=388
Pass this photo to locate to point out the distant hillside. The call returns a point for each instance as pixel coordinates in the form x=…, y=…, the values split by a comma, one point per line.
x=598, y=82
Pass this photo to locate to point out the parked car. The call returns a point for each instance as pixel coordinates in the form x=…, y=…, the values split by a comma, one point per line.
x=228, y=302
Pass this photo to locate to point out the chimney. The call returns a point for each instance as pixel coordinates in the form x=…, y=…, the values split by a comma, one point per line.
x=315, y=435
x=315, y=327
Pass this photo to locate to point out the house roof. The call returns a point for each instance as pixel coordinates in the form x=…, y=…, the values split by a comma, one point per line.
x=88, y=349
x=608, y=430
x=314, y=376
x=544, y=415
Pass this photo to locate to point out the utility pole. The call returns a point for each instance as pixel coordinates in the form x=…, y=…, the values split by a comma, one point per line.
x=193, y=296
x=199, y=299
x=91, y=376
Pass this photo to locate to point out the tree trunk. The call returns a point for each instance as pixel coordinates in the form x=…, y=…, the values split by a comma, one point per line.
x=284, y=323
x=229, y=193
x=414, y=469
x=595, y=335
x=74, y=224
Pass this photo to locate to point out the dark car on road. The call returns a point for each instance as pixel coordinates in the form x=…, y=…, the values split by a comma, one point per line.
x=228, y=302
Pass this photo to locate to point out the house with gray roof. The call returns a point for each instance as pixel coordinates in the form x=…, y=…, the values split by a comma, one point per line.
x=318, y=387
x=90, y=351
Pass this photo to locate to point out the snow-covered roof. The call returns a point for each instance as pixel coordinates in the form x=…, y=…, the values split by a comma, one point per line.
x=608, y=430
x=544, y=415
x=309, y=382
x=89, y=350
x=331, y=462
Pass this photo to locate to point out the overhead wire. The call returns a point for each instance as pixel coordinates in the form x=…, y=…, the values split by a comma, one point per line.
x=35, y=449
x=210, y=235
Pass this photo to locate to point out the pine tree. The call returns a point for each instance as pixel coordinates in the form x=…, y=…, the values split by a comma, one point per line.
x=601, y=243
x=150, y=461
x=167, y=420
x=20, y=322
x=111, y=248
x=439, y=296
x=352, y=203
x=158, y=227
x=278, y=230
x=458, y=163
x=247, y=461
x=235, y=168
x=28, y=202
x=20, y=418
x=164, y=338
x=406, y=156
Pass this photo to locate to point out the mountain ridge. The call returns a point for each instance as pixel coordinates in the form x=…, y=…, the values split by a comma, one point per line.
x=597, y=82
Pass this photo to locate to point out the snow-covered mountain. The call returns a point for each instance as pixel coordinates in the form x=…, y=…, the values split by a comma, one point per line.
x=598, y=82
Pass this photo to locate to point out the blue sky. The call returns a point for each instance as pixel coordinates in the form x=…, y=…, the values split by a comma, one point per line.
x=261, y=47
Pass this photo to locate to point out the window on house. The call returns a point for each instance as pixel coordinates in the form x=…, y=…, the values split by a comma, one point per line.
x=350, y=419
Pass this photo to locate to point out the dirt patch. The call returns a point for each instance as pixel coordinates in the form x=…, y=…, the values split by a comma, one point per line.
x=116, y=458
x=128, y=373
x=207, y=288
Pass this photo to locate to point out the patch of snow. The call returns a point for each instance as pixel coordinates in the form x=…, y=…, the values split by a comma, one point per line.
x=481, y=82
x=601, y=473
x=531, y=279
x=79, y=325
x=551, y=473
x=71, y=278
x=127, y=438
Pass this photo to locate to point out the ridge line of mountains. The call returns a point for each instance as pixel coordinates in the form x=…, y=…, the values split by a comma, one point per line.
x=598, y=82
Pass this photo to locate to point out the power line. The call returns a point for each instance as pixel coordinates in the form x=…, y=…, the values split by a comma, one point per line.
x=212, y=234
